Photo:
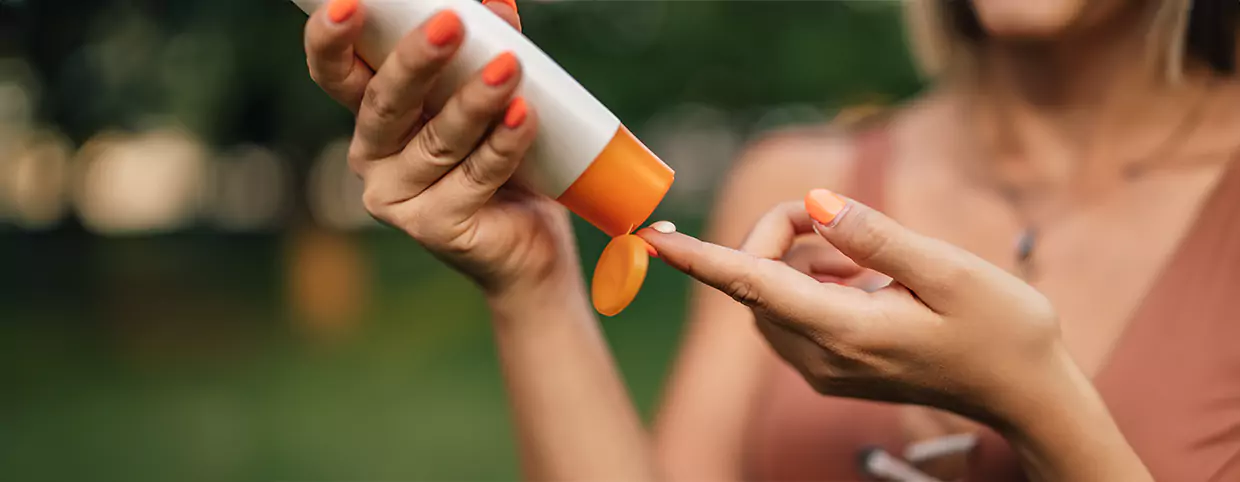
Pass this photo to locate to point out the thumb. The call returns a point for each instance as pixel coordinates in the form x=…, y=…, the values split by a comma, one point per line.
x=932, y=269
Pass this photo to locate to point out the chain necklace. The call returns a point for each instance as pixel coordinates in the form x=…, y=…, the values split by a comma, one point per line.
x=1027, y=240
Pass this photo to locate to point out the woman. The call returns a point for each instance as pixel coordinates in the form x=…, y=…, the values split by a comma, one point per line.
x=517, y=248
x=1101, y=133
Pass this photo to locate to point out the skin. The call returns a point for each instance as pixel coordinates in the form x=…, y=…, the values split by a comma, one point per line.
x=922, y=338
x=424, y=176
x=519, y=249
x=427, y=179
x=1060, y=75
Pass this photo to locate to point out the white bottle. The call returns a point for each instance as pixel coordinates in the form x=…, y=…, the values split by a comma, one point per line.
x=583, y=156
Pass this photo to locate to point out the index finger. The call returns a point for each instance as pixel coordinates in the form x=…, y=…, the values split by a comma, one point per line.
x=330, y=34
x=392, y=105
x=764, y=284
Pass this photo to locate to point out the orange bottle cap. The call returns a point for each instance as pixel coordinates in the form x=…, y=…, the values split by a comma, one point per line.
x=621, y=187
x=619, y=274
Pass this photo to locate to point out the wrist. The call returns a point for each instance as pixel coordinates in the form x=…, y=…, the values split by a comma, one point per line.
x=1053, y=389
x=556, y=289
x=1061, y=429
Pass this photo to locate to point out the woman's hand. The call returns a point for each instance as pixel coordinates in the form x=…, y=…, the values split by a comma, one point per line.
x=951, y=331
x=823, y=262
x=441, y=173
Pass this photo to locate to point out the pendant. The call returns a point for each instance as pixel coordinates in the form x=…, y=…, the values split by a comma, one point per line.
x=1026, y=243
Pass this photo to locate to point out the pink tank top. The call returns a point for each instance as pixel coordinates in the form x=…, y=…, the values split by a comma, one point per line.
x=1172, y=381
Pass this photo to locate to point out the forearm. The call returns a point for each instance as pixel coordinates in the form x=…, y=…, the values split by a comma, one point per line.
x=574, y=418
x=1066, y=434
x=700, y=430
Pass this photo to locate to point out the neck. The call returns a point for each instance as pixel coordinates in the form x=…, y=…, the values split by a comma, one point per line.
x=1077, y=71
x=1080, y=104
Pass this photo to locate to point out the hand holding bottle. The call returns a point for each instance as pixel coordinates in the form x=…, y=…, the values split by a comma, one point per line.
x=441, y=173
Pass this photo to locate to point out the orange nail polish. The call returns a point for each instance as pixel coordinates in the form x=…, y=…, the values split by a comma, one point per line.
x=650, y=250
x=341, y=10
x=510, y=3
x=500, y=69
x=444, y=28
x=824, y=205
x=517, y=112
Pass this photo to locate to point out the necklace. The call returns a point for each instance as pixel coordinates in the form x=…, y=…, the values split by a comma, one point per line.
x=1027, y=240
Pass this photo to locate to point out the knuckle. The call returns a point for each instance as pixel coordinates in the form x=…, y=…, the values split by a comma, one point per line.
x=457, y=244
x=870, y=242
x=744, y=290
x=440, y=237
x=313, y=40
x=414, y=223
x=375, y=203
x=357, y=157
x=382, y=106
x=315, y=74
x=473, y=173
x=320, y=70
x=433, y=146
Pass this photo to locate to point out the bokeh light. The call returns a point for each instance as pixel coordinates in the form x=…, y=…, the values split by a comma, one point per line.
x=35, y=176
x=699, y=141
x=335, y=193
x=144, y=183
x=250, y=190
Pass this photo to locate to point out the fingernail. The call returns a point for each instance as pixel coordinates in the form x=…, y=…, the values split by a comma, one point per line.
x=665, y=227
x=510, y=3
x=341, y=10
x=824, y=206
x=500, y=69
x=651, y=251
x=444, y=28
x=517, y=111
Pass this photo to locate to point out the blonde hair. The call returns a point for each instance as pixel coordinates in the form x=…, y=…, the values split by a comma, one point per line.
x=939, y=45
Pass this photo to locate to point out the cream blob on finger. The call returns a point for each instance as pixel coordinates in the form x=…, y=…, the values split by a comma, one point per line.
x=665, y=227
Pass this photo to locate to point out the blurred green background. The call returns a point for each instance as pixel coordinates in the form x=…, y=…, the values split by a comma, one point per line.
x=189, y=290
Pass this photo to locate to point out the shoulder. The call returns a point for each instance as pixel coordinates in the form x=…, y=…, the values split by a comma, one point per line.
x=782, y=166
x=789, y=160
x=827, y=155
x=776, y=168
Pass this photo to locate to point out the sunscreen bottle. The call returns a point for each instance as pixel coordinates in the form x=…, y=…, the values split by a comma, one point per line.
x=582, y=157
